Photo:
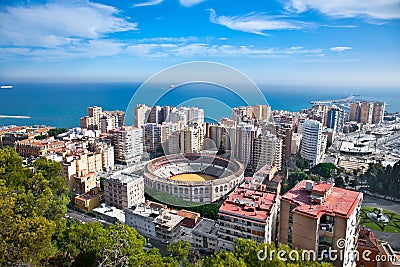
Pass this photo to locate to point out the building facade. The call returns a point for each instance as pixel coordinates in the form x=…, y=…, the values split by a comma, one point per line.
x=247, y=213
x=311, y=141
x=124, y=190
x=319, y=216
x=128, y=144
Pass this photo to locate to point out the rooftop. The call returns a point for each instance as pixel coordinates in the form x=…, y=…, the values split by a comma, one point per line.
x=168, y=219
x=124, y=178
x=111, y=212
x=251, y=204
x=188, y=214
x=367, y=240
x=40, y=143
x=340, y=202
x=206, y=226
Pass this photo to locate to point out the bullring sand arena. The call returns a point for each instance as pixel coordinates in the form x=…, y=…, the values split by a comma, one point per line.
x=192, y=177
x=195, y=177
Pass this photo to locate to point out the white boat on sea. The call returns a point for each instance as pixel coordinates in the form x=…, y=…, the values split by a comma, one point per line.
x=6, y=87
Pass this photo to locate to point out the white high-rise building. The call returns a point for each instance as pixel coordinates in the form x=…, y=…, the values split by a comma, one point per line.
x=195, y=115
x=245, y=136
x=128, y=144
x=178, y=115
x=335, y=119
x=141, y=113
x=185, y=115
x=311, y=141
x=267, y=150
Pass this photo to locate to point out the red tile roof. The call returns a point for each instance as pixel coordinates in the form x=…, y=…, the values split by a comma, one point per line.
x=340, y=202
x=367, y=240
x=251, y=204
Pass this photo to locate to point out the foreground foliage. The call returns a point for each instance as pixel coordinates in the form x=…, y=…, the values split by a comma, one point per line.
x=383, y=180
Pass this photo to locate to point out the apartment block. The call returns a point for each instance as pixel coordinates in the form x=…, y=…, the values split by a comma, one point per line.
x=251, y=114
x=128, y=144
x=247, y=213
x=36, y=148
x=141, y=113
x=85, y=181
x=142, y=216
x=245, y=136
x=378, y=113
x=222, y=136
x=124, y=190
x=311, y=142
x=92, y=120
x=316, y=216
x=154, y=137
x=90, y=200
x=110, y=120
x=267, y=151
x=335, y=120
x=205, y=235
x=191, y=138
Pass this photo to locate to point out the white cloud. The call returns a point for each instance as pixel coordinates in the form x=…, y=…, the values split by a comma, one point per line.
x=340, y=48
x=105, y=48
x=169, y=39
x=375, y=9
x=256, y=23
x=57, y=24
x=189, y=3
x=148, y=3
x=203, y=49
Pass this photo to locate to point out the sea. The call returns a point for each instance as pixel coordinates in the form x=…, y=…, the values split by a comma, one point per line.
x=62, y=104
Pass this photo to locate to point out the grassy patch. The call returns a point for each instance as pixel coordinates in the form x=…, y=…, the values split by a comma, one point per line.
x=393, y=226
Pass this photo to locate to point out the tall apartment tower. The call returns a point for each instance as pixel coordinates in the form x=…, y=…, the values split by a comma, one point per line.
x=285, y=132
x=355, y=110
x=110, y=120
x=319, y=217
x=366, y=112
x=222, y=136
x=251, y=113
x=311, y=141
x=245, y=136
x=95, y=112
x=378, y=113
x=154, y=136
x=195, y=115
x=92, y=120
x=141, y=113
x=191, y=138
x=128, y=144
x=335, y=119
x=267, y=150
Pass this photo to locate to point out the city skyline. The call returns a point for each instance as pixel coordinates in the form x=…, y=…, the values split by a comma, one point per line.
x=293, y=42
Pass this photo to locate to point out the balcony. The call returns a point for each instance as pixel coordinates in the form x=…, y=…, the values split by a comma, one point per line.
x=326, y=229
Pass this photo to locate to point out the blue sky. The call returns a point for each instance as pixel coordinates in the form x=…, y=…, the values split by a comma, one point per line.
x=335, y=42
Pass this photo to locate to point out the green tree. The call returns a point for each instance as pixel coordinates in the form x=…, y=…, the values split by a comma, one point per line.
x=57, y=131
x=33, y=202
x=325, y=169
x=179, y=250
x=302, y=163
x=224, y=258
